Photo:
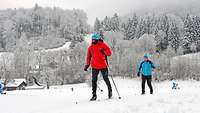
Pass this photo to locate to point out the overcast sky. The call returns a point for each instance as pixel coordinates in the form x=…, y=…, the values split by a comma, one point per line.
x=94, y=8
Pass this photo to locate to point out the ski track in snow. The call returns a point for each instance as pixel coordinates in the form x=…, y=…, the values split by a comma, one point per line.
x=60, y=99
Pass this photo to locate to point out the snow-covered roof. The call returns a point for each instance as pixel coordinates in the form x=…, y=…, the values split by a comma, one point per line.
x=15, y=82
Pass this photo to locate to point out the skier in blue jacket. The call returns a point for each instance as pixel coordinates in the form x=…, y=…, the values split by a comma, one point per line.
x=145, y=68
x=1, y=87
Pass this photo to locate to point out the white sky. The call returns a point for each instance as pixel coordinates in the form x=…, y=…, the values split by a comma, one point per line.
x=93, y=8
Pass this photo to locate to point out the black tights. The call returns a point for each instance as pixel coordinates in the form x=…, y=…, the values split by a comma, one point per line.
x=148, y=79
x=104, y=73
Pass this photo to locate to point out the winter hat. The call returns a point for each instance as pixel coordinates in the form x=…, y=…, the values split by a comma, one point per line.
x=95, y=36
x=146, y=55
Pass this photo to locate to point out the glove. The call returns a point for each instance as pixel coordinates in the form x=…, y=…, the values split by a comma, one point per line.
x=156, y=78
x=101, y=50
x=138, y=74
x=86, y=67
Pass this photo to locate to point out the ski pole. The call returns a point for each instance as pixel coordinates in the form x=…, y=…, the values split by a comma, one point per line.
x=106, y=58
x=115, y=87
x=154, y=74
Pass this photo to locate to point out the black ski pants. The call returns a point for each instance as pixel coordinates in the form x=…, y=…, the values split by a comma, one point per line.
x=148, y=79
x=104, y=73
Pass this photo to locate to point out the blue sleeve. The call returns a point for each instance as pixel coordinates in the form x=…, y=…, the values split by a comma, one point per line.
x=138, y=66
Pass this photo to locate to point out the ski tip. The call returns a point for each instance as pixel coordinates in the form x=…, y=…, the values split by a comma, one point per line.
x=119, y=97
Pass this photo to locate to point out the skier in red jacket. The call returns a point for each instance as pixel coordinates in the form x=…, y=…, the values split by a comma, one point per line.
x=96, y=57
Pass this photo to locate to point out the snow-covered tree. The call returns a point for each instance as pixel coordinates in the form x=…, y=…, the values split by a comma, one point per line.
x=146, y=43
x=193, y=47
x=164, y=25
x=115, y=22
x=180, y=50
x=191, y=31
x=22, y=56
x=106, y=24
x=170, y=52
x=149, y=25
x=35, y=22
x=174, y=36
x=141, y=28
x=130, y=27
x=97, y=25
x=159, y=38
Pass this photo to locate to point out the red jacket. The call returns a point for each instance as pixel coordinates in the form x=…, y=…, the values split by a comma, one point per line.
x=97, y=58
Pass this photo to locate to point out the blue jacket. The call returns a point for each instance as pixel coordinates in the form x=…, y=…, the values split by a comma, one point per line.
x=1, y=87
x=145, y=67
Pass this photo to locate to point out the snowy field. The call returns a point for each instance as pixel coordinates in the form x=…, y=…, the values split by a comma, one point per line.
x=61, y=99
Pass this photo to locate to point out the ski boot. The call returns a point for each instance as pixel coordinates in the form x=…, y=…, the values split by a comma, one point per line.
x=94, y=97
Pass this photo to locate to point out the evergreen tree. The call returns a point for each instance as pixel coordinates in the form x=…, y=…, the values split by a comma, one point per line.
x=148, y=25
x=141, y=28
x=164, y=25
x=106, y=24
x=174, y=36
x=187, y=32
x=191, y=31
x=196, y=34
x=130, y=27
x=115, y=23
x=159, y=38
x=193, y=47
x=97, y=25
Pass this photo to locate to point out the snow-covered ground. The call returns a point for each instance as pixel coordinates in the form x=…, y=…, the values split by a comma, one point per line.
x=61, y=99
x=63, y=47
x=189, y=56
